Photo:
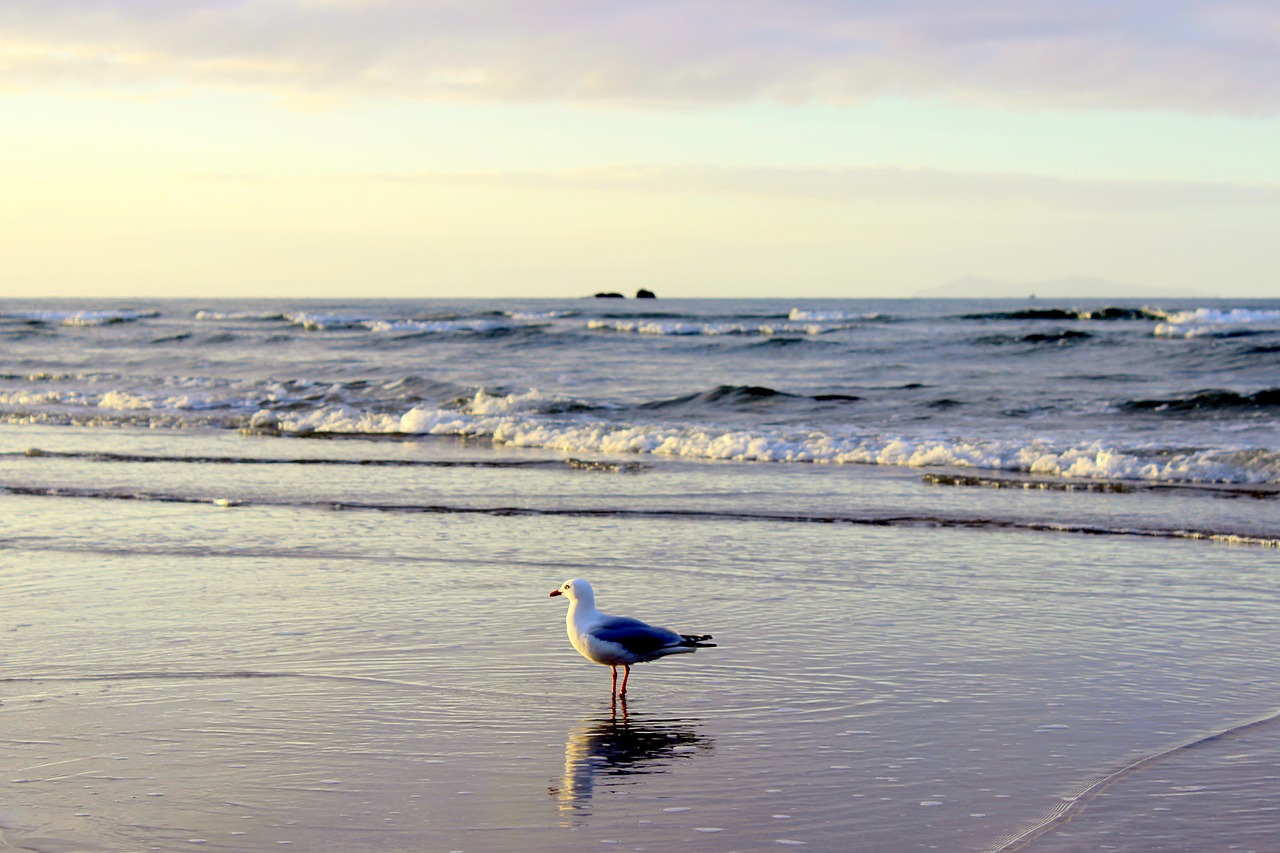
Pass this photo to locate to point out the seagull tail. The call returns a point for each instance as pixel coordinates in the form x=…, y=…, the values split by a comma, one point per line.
x=697, y=641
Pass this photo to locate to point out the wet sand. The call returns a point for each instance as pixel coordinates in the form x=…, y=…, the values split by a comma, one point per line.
x=274, y=676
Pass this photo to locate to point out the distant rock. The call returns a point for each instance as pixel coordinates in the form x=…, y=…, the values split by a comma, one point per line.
x=610, y=296
x=645, y=294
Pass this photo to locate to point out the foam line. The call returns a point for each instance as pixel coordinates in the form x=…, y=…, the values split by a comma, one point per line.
x=1072, y=807
x=933, y=521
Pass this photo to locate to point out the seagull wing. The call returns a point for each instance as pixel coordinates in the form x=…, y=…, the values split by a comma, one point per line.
x=635, y=636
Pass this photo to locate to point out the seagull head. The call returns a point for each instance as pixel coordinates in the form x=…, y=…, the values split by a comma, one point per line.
x=576, y=590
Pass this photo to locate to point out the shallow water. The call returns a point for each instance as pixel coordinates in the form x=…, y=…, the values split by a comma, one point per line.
x=1204, y=795
x=349, y=657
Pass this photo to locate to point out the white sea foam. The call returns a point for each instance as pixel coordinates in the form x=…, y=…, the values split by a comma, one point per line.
x=799, y=315
x=438, y=326
x=533, y=401
x=505, y=420
x=125, y=401
x=1204, y=322
x=118, y=400
x=26, y=399
x=321, y=322
x=218, y=316
x=81, y=318
x=539, y=315
x=1171, y=330
x=649, y=327
x=313, y=322
x=1233, y=316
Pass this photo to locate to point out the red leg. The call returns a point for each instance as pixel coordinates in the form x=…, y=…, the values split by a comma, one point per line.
x=626, y=673
x=615, y=682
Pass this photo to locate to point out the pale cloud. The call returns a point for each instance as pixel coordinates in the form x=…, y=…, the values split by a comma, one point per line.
x=1206, y=56
x=854, y=185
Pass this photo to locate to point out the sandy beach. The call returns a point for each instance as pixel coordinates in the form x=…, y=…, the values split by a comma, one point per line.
x=216, y=670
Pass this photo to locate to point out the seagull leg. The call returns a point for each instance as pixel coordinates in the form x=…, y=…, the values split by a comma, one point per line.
x=615, y=682
x=626, y=673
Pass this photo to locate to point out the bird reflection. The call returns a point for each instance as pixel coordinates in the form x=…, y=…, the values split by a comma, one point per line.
x=611, y=752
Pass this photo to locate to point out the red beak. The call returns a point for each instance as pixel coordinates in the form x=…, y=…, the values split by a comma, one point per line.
x=554, y=593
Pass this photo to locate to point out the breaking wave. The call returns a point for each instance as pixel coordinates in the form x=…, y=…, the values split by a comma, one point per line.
x=1209, y=322
x=1061, y=338
x=79, y=318
x=742, y=396
x=486, y=419
x=1210, y=402
x=800, y=315
x=690, y=426
x=653, y=327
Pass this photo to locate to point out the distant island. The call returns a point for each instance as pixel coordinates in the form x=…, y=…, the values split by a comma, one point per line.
x=1078, y=287
x=642, y=293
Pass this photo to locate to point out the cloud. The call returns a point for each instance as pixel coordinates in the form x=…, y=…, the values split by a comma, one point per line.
x=1208, y=56
x=853, y=185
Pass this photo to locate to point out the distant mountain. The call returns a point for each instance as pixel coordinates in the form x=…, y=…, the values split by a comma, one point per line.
x=1079, y=287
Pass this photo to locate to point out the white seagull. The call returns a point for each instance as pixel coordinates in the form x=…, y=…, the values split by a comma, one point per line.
x=619, y=641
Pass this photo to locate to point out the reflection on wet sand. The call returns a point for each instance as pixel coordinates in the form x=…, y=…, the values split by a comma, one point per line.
x=612, y=751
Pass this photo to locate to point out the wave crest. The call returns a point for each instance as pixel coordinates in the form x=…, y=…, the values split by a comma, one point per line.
x=651, y=327
x=517, y=428
x=1209, y=402
x=80, y=318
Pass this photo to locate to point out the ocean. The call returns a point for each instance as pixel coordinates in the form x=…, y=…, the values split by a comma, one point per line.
x=983, y=575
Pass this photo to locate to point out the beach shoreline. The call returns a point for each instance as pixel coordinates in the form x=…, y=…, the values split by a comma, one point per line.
x=237, y=676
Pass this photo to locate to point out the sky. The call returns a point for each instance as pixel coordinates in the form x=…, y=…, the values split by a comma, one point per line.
x=697, y=148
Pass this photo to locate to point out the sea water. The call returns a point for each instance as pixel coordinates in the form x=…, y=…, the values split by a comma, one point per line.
x=983, y=576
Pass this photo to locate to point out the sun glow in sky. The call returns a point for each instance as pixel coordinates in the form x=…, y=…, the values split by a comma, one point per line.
x=418, y=148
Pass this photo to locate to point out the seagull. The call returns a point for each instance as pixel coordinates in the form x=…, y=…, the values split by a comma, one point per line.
x=619, y=641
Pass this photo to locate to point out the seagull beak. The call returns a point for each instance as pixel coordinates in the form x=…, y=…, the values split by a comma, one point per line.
x=554, y=593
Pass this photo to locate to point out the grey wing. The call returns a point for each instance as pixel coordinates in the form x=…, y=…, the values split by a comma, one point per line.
x=634, y=635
